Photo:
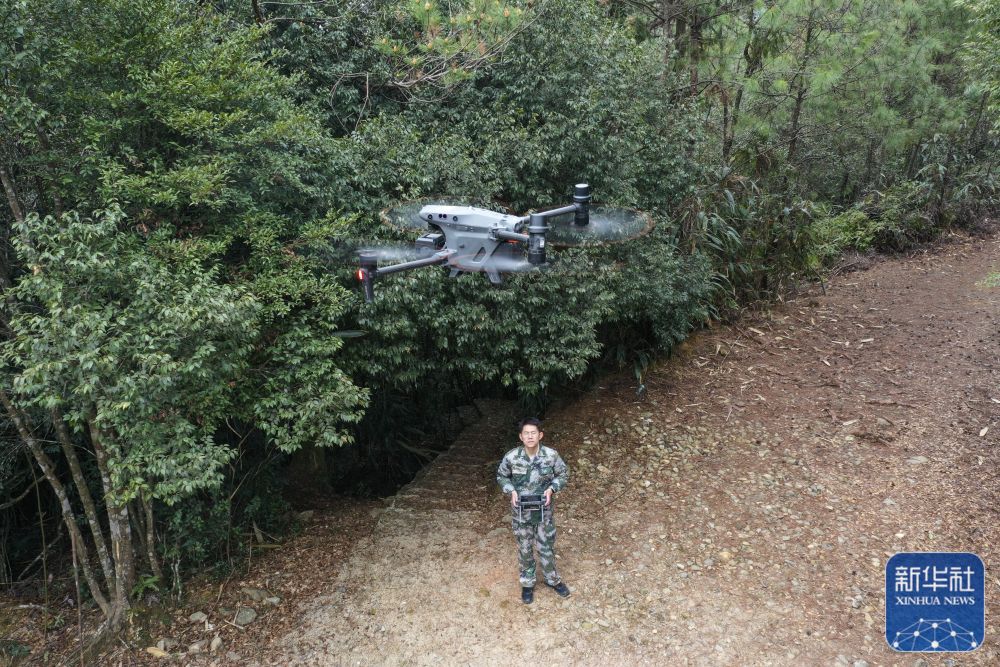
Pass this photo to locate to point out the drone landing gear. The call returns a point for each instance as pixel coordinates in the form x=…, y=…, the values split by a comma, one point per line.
x=492, y=274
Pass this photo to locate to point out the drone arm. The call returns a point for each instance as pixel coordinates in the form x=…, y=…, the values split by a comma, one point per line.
x=504, y=235
x=436, y=258
x=369, y=270
x=551, y=213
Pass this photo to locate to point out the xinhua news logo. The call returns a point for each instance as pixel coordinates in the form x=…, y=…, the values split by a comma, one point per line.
x=935, y=602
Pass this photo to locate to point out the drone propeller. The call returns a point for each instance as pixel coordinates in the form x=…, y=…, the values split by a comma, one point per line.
x=606, y=225
x=510, y=261
x=392, y=252
x=343, y=253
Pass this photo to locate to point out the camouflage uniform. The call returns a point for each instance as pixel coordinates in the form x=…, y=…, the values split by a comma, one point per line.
x=527, y=476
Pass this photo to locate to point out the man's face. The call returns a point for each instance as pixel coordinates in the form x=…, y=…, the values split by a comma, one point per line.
x=530, y=436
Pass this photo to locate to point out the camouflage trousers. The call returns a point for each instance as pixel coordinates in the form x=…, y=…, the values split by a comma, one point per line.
x=540, y=535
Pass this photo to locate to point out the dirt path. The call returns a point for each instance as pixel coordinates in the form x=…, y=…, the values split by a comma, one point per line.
x=740, y=513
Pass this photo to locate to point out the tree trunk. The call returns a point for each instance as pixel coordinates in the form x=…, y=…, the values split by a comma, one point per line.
x=8, y=186
x=48, y=470
x=793, y=125
x=754, y=61
x=974, y=144
x=694, y=48
x=154, y=562
x=118, y=524
x=43, y=142
x=845, y=181
x=800, y=95
x=727, y=130
x=869, y=162
x=89, y=508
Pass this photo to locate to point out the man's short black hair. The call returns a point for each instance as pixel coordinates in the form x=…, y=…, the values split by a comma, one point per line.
x=529, y=421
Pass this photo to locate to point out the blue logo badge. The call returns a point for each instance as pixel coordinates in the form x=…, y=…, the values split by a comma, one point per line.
x=935, y=602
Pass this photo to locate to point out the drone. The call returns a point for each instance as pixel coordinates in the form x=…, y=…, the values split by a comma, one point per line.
x=468, y=239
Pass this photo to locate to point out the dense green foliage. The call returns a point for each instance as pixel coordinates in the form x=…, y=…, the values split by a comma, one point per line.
x=179, y=175
x=140, y=346
x=983, y=47
x=191, y=314
x=813, y=109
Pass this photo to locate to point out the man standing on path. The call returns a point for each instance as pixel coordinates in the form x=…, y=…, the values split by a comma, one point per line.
x=530, y=474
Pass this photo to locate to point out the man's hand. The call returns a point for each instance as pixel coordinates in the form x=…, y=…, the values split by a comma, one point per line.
x=548, y=497
x=513, y=498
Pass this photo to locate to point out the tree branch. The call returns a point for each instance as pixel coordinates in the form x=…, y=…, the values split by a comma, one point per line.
x=8, y=187
x=11, y=503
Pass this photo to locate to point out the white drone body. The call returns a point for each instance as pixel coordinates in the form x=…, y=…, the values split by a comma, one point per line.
x=470, y=239
x=477, y=239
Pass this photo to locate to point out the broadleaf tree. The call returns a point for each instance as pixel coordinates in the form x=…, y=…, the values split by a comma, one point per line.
x=192, y=301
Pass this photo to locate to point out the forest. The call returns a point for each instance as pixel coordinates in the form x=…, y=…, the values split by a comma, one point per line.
x=186, y=355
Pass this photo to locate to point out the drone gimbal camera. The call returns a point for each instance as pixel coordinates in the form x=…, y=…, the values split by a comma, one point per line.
x=470, y=239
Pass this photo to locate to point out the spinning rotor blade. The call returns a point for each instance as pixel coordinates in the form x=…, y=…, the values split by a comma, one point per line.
x=394, y=253
x=607, y=225
x=344, y=253
x=404, y=216
x=510, y=264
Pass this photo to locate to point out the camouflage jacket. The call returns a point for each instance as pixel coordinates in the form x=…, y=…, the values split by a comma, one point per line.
x=529, y=476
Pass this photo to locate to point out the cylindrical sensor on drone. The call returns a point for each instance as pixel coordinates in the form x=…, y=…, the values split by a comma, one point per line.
x=581, y=197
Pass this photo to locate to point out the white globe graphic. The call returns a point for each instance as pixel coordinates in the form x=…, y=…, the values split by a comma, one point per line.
x=940, y=635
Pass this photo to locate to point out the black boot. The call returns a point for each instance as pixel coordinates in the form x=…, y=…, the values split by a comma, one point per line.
x=559, y=588
x=527, y=595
